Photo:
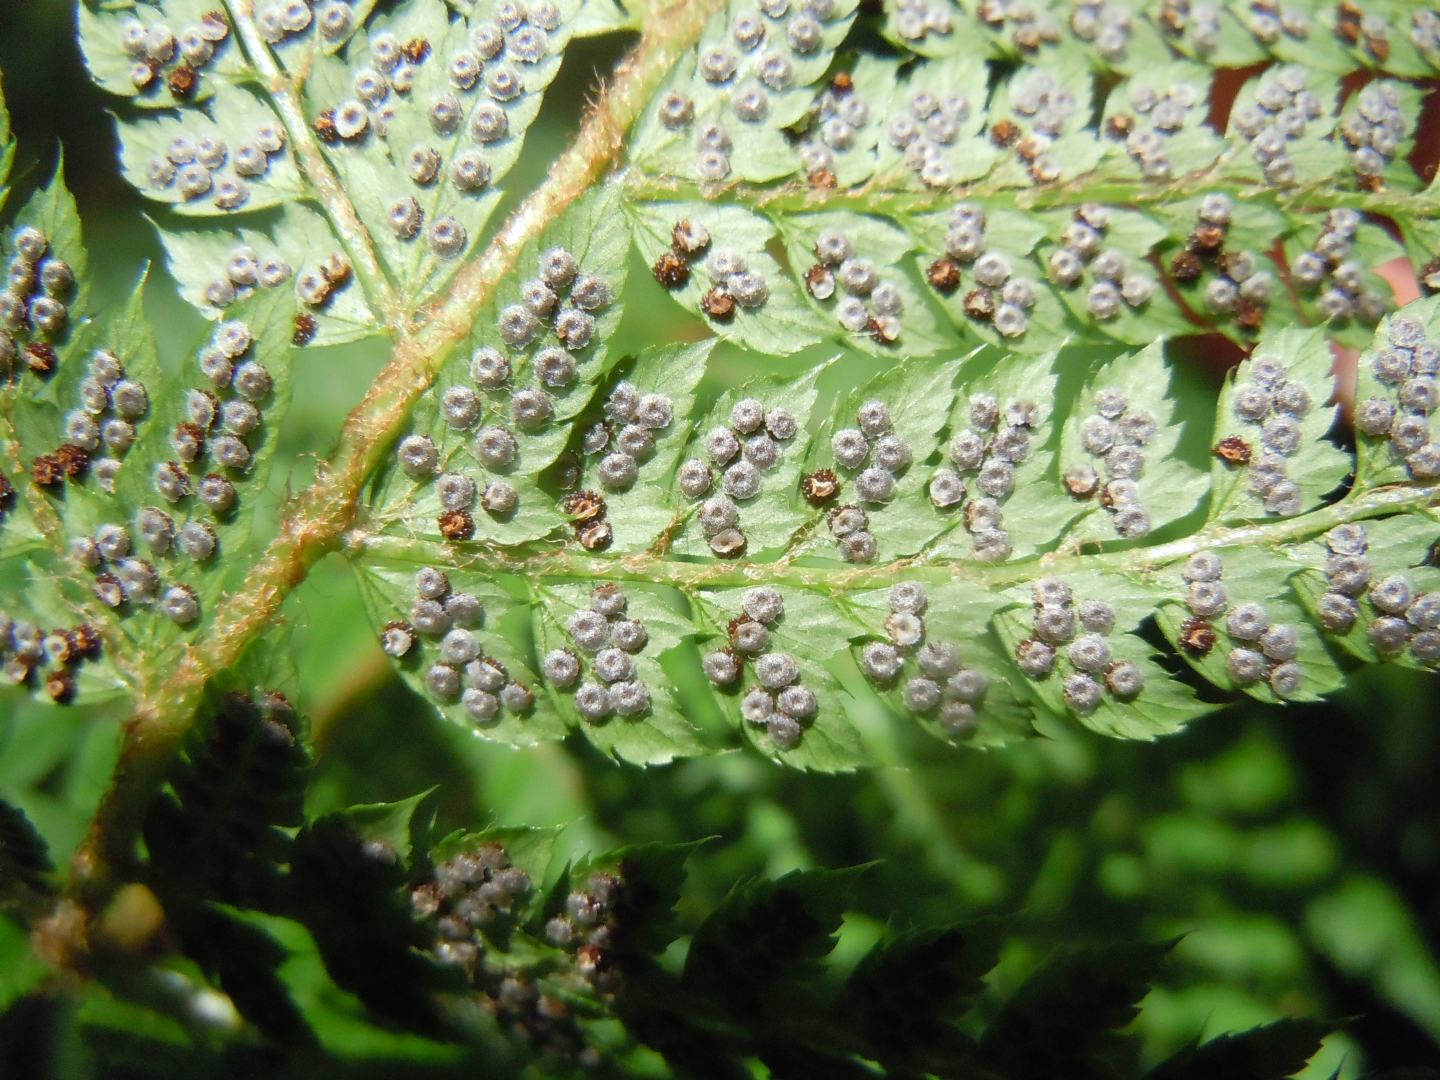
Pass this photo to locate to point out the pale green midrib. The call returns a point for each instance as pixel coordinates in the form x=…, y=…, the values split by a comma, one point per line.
x=896, y=201
x=568, y=564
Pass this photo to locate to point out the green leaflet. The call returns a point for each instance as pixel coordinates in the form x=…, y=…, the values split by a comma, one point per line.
x=1275, y=405
x=736, y=242
x=654, y=734
x=548, y=341
x=1178, y=90
x=917, y=398
x=872, y=298
x=1125, y=420
x=775, y=515
x=1216, y=255
x=488, y=611
x=1091, y=692
x=7, y=151
x=956, y=615
x=135, y=52
x=826, y=739
x=174, y=173
x=645, y=510
x=1018, y=510
x=703, y=126
x=1394, y=420
x=1254, y=577
x=1398, y=550
x=289, y=244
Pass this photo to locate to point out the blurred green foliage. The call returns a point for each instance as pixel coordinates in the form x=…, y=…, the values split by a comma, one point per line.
x=1294, y=855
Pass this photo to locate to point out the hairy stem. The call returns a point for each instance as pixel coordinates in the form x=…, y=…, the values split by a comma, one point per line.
x=315, y=521
x=837, y=579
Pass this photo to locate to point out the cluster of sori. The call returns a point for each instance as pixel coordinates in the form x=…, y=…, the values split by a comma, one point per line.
x=734, y=286
x=1081, y=652
x=1157, y=117
x=605, y=681
x=1407, y=368
x=1114, y=284
x=1259, y=650
x=284, y=20
x=1000, y=297
x=163, y=58
x=493, y=446
x=470, y=894
x=1328, y=270
x=1046, y=107
x=1401, y=616
x=778, y=705
x=493, y=62
x=588, y=925
x=1105, y=25
x=746, y=448
x=25, y=650
x=207, y=167
x=867, y=303
x=924, y=129
x=481, y=683
x=940, y=686
x=1275, y=405
x=243, y=271
x=1196, y=21
x=1115, y=435
x=688, y=241
x=1425, y=31
x=874, y=456
x=222, y=421
x=1367, y=31
x=471, y=904
x=916, y=20
x=586, y=511
x=565, y=297
x=766, y=45
x=110, y=405
x=989, y=451
x=1029, y=25
x=1236, y=287
x=562, y=296
x=392, y=68
x=837, y=120
x=32, y=305
x=1267, y=20
x=626, y=437
x=122, y=577
x=1374, y=131
x=1279, y=114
